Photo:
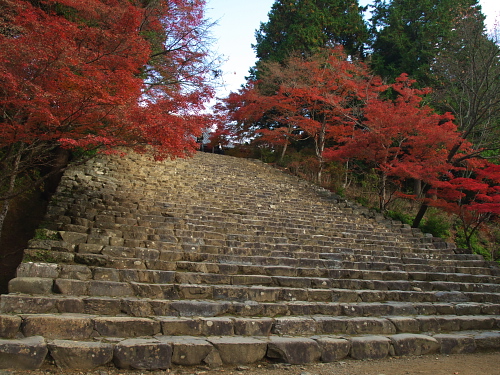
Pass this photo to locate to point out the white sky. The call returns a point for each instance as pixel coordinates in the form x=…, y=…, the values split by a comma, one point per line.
x=235, y=33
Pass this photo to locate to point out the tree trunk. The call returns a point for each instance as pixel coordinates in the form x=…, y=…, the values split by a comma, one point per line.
x=320, y=147
x=382, y=192
x=283, y=152
x=420, y=215
x=10, y=189
x=417, y=187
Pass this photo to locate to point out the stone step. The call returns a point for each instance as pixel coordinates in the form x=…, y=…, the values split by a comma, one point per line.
x=236, y=273
x=359, y=260
x=86, y=327
x=258, y=288
x=147, y=307
x=161, y=352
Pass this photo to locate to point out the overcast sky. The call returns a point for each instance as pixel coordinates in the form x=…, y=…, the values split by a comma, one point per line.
x=235, y=33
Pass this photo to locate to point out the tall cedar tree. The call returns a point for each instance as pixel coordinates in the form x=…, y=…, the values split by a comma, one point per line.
x=307, y=26
x=409, y=34
x=468, y=74
x=97, y=74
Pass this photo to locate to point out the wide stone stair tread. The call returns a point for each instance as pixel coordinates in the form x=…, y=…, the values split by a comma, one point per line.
x=146, y=307
x=148, y=264
x=85, y=326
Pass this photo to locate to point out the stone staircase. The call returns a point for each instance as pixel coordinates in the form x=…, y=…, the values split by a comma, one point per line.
x=216, y=260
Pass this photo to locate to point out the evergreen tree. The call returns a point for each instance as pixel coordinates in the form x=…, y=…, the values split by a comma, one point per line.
x=409, y=34
x=468, y=72
x=306, y=26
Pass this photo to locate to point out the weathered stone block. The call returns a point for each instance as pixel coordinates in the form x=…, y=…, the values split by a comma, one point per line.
x=89, y=248
x=106, y=274
x=370, y=347
x=405, y=324
x=331, y=325
x=143, y=354
x=239, y=350
x=428, y=324
x=80, y=354
x=200, y=308
x=249, y=308
x=230, y=293
x=293, y=350
x=43, y=270
x=70, y=305
x=216, y=326
x=153, y=291
x=412, y=344
x=110, y=289
x=469, y=323
x=126, y=326
x=148, y=254
x=31, y=285
x=468, y=309
x=452, y=297
x=187, y=351
x=180, y=326
x=75, y=272
x=294, y=326
x=102, y=306
x=73, y=237
x=137, y=307
x=24, y=354
x=263, y=294
x=64, y=327
x=71, y=287
x=119, y=252
x=333, y=349
x=448, y=323
x=456, y=344
x=253, y=326
x=252, y=280
x=274, y=309
x=195, y=291
x=487, y=340
x=371, y=326
x=15, y=304
x=96, y=260
x=213, y=359
x=289, y=294
x=9, y=326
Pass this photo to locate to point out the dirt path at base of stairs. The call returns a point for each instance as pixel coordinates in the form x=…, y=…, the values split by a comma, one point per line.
x=470, y=364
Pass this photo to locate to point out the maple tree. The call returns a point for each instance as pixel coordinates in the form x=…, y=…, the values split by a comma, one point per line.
x=474, y=199
x=97, y=75
x=305, y=98
x=401, y=139
x=404, y=139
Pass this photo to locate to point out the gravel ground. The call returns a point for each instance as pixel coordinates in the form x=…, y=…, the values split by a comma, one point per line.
x=470, y=364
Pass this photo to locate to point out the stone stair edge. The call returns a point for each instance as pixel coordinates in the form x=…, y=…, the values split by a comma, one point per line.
x=17, y=304
x=163, y=352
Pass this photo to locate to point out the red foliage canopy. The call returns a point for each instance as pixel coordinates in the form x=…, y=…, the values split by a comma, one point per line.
x=78, y=74
x=401, y=138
